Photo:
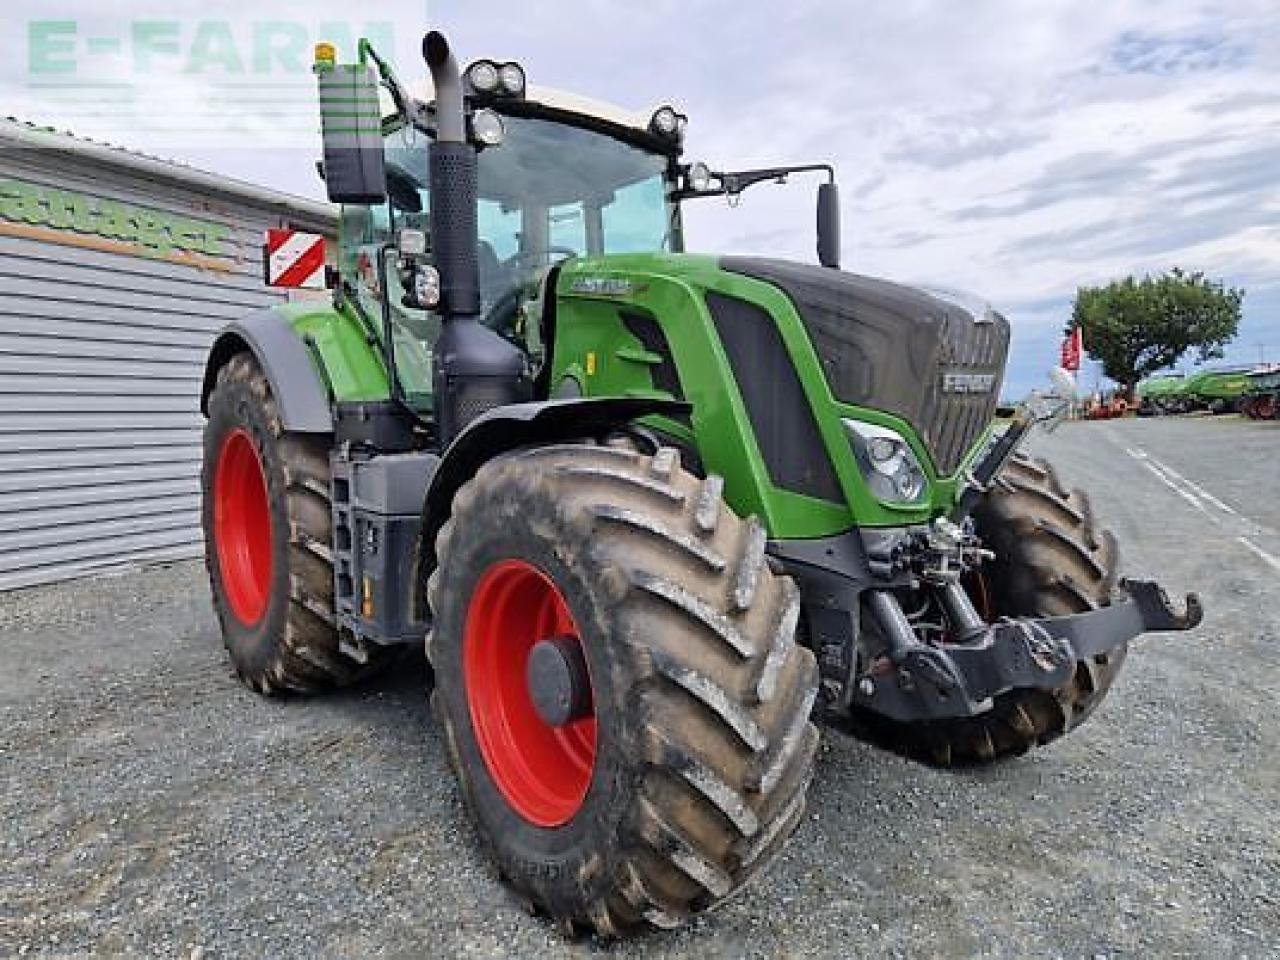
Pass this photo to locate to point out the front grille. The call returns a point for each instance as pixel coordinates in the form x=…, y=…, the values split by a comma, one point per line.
x=951, y=421
x=891, y=347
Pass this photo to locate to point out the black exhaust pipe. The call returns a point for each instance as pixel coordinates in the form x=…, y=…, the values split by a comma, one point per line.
x=475, y=369
x=453, y=186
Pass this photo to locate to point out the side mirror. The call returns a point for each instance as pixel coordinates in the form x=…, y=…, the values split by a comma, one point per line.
x=402, y=191
x=829, y=225
x=351, y=130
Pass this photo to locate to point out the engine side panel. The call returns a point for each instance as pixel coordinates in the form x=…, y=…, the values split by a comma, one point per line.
x=596, y=352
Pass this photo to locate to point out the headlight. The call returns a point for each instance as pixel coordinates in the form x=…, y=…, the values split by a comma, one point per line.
x=426, y=286
x=487, y=128
x=887, y=462
x=483, y=76
x=511, y=79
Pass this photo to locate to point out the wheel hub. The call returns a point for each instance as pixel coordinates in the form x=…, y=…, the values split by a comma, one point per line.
x=558, y=683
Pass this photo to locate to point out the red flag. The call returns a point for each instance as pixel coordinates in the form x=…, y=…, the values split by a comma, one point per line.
x=1072, y=350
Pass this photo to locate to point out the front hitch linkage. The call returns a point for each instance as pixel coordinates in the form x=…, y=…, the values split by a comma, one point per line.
x=925, y=682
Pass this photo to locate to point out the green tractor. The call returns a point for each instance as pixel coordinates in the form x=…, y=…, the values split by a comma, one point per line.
x=1217, y=390
x=1159, y=395
x=652, y=513
x=1262, y=400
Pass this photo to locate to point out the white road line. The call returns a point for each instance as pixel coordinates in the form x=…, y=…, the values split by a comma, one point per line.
x=1189, y=497
x=1262, y=554
x=1247, y=524
x=1193, y=493
x=1199, y=490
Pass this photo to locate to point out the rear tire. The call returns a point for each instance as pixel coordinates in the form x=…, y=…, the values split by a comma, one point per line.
x=701, y=745
x=273, y=587
x=1051, y=560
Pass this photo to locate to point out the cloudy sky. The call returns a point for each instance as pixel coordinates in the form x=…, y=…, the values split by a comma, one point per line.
x=1013, y=149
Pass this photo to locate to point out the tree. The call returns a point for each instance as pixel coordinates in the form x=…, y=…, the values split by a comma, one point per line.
x=1136, y=327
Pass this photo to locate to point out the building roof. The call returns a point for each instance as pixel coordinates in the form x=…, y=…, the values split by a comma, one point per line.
x=21, y=133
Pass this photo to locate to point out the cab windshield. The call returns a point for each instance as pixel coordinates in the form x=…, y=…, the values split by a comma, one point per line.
x=549, y=191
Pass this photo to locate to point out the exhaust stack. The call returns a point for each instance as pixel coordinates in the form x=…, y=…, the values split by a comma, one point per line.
x=453, y=186
x=475, y=369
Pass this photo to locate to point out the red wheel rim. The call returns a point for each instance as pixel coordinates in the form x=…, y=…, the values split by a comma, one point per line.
x=242, y=526
x=541, y=770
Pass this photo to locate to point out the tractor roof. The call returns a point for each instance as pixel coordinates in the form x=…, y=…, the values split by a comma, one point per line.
x=560, y=100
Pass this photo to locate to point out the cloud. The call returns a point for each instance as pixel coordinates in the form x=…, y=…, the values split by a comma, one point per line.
x=941, y=141
x=1135, y=51
x=1015, y=149
x=1246, y=100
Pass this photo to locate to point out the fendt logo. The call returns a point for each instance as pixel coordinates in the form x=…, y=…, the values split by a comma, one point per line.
x=968, y=382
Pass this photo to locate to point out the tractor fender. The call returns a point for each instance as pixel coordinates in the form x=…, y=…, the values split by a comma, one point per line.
x=285, y=359
x=510, y=427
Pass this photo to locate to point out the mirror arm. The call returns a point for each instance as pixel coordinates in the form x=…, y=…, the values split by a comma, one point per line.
x=735, y=182
x=410, y=110
x=389, y=78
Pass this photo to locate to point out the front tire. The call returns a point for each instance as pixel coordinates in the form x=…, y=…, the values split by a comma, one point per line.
x=691, y=768
x=1051, y=560
x=267, y=528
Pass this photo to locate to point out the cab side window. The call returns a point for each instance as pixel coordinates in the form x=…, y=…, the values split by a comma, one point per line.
x=568, y=227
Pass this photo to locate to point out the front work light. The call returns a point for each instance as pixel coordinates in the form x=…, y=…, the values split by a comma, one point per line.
x=888, y=463
x=488, y=79
x=487, y=127
x=699, y=177
x=482, y=76
x=511, y=79
x=666, y=123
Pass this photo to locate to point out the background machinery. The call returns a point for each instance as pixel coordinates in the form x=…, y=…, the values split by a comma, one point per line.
x=1262, y=400
x=1160, y=394
x=1217, y=390
x=652, y=513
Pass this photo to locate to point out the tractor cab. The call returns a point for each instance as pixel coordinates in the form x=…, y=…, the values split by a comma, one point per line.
x=560, y=177
x=557, y=176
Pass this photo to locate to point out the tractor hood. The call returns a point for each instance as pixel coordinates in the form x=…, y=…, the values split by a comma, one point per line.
x=935, y=360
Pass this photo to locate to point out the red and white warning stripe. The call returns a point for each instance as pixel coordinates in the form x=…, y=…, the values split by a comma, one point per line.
x=295, y=259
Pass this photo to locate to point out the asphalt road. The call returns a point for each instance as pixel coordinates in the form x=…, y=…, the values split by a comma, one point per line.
x=150, y=805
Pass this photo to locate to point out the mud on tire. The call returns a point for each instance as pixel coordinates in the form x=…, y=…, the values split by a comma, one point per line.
x=702, y=699
x=293, y=645
x=1051, y=560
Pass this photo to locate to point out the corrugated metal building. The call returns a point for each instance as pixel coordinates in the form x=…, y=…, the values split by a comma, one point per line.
x=116, y=271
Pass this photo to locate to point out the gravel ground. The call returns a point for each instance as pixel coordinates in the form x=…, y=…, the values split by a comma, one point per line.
x=151, y=805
